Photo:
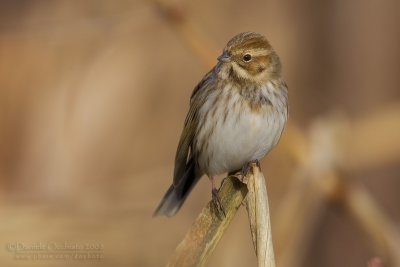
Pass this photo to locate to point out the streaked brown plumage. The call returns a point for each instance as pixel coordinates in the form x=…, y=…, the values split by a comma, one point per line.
x=237, y=115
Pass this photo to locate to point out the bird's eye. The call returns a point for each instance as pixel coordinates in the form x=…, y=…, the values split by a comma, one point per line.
x=247, y=57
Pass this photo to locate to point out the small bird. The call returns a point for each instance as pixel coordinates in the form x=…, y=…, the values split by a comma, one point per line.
x=237, y=114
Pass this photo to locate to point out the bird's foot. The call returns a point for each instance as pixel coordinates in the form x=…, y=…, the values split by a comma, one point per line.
x=246, y=167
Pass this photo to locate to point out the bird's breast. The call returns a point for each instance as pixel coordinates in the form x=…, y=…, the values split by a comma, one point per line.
x=235, y=128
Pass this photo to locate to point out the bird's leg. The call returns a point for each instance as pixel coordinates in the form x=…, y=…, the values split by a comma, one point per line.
x=215, y=199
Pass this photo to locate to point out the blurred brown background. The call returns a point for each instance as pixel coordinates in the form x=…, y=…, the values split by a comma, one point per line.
x=93, y=95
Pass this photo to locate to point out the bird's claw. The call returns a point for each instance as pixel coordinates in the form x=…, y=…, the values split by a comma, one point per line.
x=246, y=167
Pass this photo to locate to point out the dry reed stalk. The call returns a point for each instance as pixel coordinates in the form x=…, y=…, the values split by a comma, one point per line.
x=259, y=217
x=207, y=230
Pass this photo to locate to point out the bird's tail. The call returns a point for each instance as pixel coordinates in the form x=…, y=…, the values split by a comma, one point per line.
x=177, y=194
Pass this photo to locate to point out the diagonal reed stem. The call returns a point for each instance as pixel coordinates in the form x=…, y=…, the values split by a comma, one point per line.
x=209, y=227
x=203, y=236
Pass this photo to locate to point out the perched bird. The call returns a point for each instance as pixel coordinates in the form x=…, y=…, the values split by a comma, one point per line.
x=237, y=114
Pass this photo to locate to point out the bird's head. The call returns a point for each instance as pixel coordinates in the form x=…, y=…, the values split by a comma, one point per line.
x=249, y=57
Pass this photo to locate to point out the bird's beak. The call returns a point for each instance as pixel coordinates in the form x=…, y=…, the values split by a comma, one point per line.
x=225, y=57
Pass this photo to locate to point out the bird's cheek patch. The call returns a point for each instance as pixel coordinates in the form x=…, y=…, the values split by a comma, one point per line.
x=261, y=68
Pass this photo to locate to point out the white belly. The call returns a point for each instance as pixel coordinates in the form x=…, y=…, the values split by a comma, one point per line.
x=243, y=136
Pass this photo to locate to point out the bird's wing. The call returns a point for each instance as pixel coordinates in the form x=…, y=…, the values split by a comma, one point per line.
x=182, y=153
